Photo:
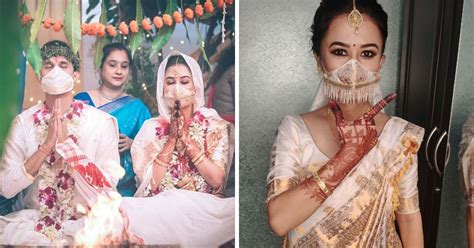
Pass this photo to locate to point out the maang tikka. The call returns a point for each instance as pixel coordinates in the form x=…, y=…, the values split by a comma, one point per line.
x=355, y=18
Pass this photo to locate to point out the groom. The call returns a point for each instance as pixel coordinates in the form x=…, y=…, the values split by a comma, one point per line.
x=59, y=153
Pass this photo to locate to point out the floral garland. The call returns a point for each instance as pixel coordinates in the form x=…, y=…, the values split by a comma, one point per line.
x=100, y=30
x=56, y=190
x=181, y=166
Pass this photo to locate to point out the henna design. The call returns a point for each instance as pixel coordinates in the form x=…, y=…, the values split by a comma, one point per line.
x=311, y=188
x=357, y=138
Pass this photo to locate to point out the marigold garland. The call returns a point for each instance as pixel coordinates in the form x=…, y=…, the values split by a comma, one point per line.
x=188, y=14
x=208, y=6
x=100, y=30
x=199, y=10
x=178, y=18
x=167, y=20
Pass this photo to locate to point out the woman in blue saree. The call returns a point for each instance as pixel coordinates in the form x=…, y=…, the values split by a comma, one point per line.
x=129, y=111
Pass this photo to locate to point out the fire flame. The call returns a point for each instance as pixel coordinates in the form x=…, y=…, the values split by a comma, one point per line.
x=103, y=224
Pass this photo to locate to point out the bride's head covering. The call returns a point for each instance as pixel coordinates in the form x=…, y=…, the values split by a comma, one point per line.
x=196, y=73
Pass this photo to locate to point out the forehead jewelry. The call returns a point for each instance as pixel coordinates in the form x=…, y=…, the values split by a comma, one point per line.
x=175, y=71
x=355, y=18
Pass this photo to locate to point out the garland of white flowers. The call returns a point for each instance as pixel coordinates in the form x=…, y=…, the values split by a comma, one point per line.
x=56, y=190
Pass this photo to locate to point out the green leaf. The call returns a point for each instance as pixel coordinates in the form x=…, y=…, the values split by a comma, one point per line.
x=25, y=30
x=171, y=6
x=72, y=25
x=103, y=14
x=161, y=38
x=136, y=41
x=201, y=47
x=139, y=16
x=9, y=63
x=164, y=35
x=33, y=55
x=38, y=19
x=92, y=4
x=99, y=45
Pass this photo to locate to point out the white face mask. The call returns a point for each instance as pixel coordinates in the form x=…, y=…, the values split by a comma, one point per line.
x=57, y=82
x=179, y=92
x=351, y=83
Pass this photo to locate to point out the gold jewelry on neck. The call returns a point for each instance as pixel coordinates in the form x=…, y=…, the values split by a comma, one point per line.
x=355, y=18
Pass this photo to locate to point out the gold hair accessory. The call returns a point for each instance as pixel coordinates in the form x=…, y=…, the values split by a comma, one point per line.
x=355, y=18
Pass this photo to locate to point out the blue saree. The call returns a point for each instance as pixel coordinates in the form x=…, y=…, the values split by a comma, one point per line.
x=130, y=113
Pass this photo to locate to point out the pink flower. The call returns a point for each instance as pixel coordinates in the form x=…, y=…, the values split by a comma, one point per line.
x=48, y=197
x=47, y=221
x=162, y=129
x=39, y=227
x=199, y=116
x=74, y=138
x=50, y=159
x=65, y=181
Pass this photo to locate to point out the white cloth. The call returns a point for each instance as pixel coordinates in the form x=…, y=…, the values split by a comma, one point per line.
x=186, y=218
x=387, y=175
x=466, y=158
x=97, y=138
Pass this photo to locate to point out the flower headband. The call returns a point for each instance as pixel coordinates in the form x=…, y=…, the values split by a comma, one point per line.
x=59, y=48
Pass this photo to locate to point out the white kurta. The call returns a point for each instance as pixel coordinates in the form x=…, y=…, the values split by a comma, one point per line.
x=97, y=135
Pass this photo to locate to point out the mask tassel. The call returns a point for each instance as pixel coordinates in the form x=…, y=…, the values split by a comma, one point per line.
x=350, y=96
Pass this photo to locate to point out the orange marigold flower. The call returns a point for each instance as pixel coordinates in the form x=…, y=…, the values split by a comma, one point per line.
x=134, y=26
x=208, y=6
x=199, y=10
x=229, y=2
x=188, y=14
x=220, y=4
x=84, y=28
x=92, y=29
x=146, y=24
x=178, y=18
x=158, y=21
x=47, y=23
x=111, y=30
x=25, y=19
x=101, y=30
x=57, y=25
x=167, y=20
x=123, y=28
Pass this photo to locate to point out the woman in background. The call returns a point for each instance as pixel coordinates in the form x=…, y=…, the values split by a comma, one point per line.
x=129, y=111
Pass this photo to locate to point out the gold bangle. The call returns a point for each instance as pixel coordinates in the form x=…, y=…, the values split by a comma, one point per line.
x=161, y=164
x=199, y=160
x=196, y=158
x=321, y=184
